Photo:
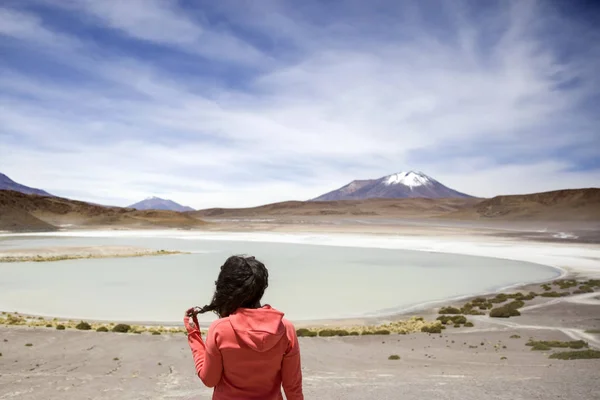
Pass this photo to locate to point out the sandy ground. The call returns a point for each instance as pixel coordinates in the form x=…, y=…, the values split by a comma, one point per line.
x=64, y=252
x=460, y=364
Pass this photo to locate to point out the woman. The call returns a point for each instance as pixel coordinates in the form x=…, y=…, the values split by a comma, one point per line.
x=251, y=351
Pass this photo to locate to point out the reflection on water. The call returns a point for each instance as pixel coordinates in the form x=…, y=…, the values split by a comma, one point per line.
x=306, y=281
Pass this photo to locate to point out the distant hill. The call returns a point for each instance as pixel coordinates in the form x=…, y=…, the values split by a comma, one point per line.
x=29, y=212
x=400, y=208
x=558, y=205
x=8, y=184
x=156, y=203
x=409, y=184
x=562, y=205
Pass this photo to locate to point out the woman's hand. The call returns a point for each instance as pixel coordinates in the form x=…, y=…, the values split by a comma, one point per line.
x=194, y=325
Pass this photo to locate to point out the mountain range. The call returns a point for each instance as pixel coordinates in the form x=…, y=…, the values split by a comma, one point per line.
x=8, y=184
x=156, y=203
x=409, y=184
x=21, y=212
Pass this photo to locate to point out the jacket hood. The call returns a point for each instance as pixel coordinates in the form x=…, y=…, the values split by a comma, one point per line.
x=260, y=328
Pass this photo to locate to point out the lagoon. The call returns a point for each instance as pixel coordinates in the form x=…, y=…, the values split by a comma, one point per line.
x=309, y=279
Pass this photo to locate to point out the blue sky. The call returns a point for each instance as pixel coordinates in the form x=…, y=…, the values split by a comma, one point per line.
x=240, y=103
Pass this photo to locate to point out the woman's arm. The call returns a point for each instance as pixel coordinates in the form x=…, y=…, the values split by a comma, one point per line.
x=207, y=357
x=291, y=371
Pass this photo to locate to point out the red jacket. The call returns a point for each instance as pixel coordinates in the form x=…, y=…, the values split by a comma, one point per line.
x=249, y=355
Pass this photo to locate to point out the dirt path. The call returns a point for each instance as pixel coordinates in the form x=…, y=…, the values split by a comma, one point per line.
x=567, y=329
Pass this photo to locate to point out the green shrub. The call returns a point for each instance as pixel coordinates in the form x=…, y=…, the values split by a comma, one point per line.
x=83, y=326
x=15, y=320
x=303, y=332
x=504, y=312
x=158, y=333
x=28, y=344
x=333, y=332
x=515, y=337
x=555, y=294
x=565, y=283
x=454, y=319
x=469, y=324
x=540, y=347
x=576, y=355
x=515, y=304
x=584, y=289
x=472, y=312
x=102, y=329
x=60, y=327
x=573, y=344
x=503, y=358
x=592, y=282
x=457, y=325
x=354, y=333
x=546, y=287
x=121, y=328
x=449, y=310
x=48, y=325
x=500, y=298
x=530, y=296
x=432, y=329
x=394, y=357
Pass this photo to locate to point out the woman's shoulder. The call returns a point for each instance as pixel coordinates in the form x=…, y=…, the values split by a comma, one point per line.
x=289, y=327
x=287, y=323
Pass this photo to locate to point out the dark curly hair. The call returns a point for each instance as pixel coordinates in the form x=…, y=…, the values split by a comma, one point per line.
x=241, y=283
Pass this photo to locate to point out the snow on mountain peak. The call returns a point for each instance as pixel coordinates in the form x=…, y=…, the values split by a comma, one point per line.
x=410, y=179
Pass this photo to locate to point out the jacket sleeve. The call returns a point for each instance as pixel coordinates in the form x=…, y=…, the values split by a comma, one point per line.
x=207, y=357
x=291, y=371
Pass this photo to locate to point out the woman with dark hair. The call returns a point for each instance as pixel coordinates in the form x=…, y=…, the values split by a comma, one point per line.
x=251, y=351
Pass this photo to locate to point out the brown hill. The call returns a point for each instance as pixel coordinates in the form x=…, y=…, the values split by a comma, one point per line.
x=16, y=220
x=405, y=208
x=22, y=212
x=560, y=205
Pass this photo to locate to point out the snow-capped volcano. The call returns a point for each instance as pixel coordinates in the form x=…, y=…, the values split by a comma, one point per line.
x=410, y=178
x=398, y=185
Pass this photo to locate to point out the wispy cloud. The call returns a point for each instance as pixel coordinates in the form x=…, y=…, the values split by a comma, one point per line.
x=233, y=105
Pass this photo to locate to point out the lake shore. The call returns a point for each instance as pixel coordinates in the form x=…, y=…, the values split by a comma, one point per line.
x=59, y=253
x=570, y=259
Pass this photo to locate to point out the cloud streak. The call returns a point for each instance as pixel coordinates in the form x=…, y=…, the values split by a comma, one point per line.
x=269, y=101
